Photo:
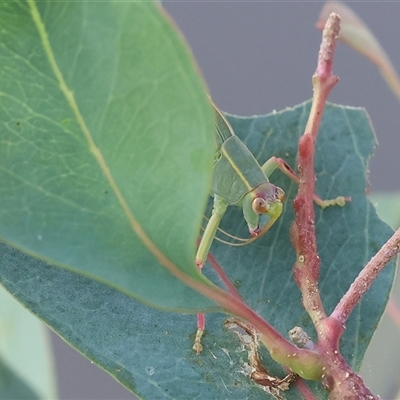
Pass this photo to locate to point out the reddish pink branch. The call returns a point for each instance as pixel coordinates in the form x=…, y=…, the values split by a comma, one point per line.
x=304, y=390
x=337, y=378
x=222, y=275
x=366, y=278
x=307, y=267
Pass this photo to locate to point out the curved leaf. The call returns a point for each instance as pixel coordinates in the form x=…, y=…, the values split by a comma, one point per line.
x=26, y=359
x=149, y=351
x=12, y=387
x=105, y=125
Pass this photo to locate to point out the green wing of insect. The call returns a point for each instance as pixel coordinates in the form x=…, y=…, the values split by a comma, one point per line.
x=239, y=180
x=236, y=171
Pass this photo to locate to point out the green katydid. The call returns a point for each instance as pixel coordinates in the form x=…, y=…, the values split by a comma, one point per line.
x=239, y=180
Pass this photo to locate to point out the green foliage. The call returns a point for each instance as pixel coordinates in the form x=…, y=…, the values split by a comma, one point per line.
x=133, y=147
x=94, y=181
x=12, y=387
x=149, y=351
x=26, y=360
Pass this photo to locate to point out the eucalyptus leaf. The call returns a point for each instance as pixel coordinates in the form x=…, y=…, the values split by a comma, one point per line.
x=149, y=351
x=107, y=145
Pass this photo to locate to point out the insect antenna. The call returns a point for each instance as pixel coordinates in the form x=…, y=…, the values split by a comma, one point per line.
x=243, y=241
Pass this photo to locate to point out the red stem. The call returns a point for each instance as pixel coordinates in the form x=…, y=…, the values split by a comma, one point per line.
x=224, y=278
x=366, y=278
x=307, y=266
x=304, y=390
x=337, y=378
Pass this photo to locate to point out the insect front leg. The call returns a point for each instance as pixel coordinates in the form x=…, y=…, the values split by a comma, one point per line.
x=274, y=162
x=219, y=209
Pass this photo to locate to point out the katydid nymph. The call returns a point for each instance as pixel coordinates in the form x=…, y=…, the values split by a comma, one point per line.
x=239, y=180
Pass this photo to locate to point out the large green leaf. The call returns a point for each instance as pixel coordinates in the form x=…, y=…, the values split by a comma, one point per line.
x=149, y=351
x=107, y=145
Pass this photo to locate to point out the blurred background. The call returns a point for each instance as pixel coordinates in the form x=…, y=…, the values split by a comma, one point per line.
x=256, y=57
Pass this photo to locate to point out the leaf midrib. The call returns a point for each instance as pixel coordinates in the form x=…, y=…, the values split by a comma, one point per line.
x=197, y=284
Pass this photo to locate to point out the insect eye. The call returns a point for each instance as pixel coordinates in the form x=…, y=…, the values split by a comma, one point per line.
x=280, y=194
x=259, y=205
